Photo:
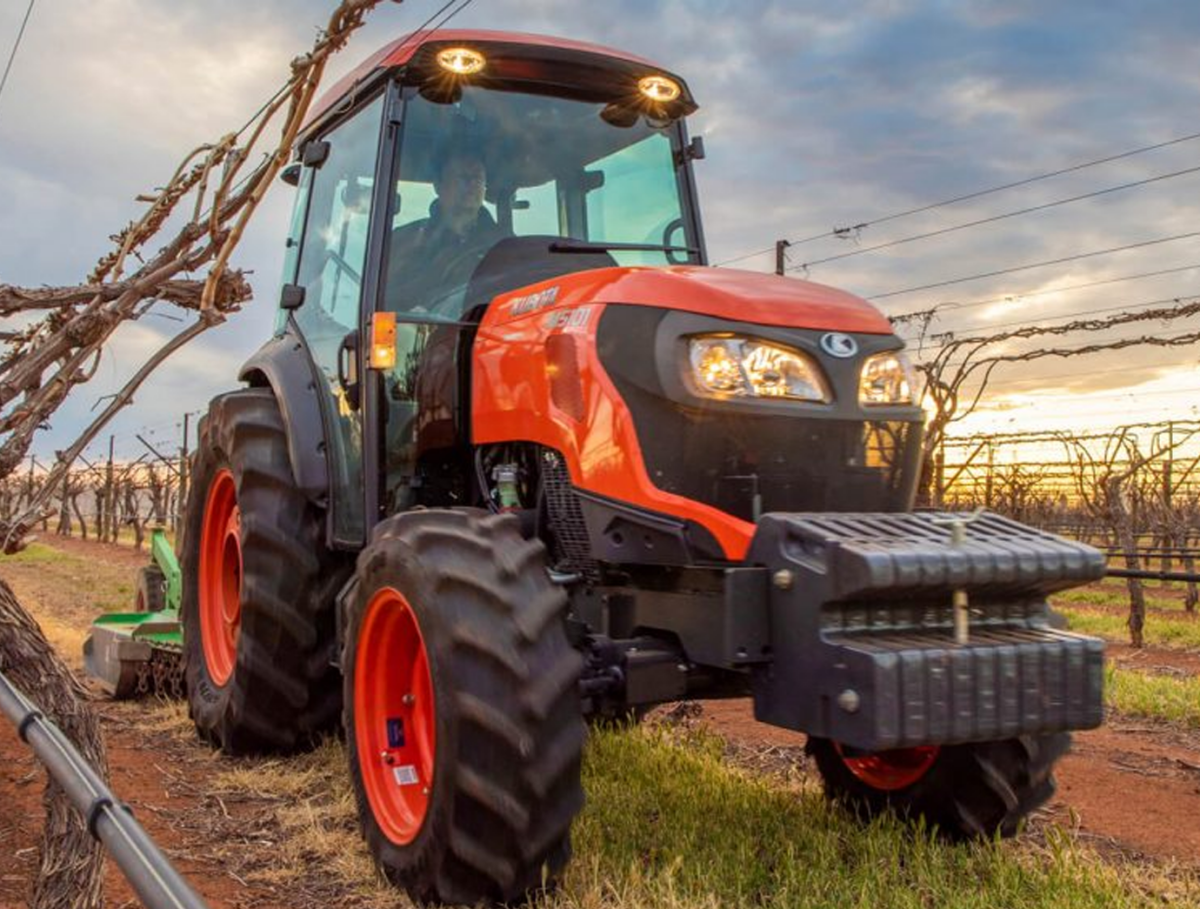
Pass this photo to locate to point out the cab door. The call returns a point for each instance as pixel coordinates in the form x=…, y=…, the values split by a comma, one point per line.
x=332, y=270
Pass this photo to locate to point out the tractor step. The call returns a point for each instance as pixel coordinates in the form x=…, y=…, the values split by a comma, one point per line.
x=863, y=639
x=136, y=654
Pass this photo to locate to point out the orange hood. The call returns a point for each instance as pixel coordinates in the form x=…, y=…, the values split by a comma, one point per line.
x=727, y=293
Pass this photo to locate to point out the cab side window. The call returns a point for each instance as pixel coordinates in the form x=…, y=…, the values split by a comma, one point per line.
x=332, y=256
x=339, y=212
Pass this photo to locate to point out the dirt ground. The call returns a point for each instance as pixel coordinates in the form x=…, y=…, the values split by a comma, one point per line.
x=1132, y=786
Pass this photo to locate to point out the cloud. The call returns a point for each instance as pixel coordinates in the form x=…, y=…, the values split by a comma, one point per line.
x=816, y=115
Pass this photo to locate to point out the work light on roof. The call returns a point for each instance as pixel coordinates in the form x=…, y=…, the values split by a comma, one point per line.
x=462, y=61
x=659, y=89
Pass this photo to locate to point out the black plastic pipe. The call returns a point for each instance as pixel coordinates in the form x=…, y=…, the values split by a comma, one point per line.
x=1151, y=575
x=157, y=884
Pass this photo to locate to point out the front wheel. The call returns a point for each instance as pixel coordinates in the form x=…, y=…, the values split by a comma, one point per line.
x=462, y=710
x=979, y=789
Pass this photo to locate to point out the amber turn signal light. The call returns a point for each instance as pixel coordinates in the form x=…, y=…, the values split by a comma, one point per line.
x=383, y=340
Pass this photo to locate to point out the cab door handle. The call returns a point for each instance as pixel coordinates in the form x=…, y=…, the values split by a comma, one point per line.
x=347, y=369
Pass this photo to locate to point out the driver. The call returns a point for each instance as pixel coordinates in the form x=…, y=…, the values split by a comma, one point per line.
x=432, y=258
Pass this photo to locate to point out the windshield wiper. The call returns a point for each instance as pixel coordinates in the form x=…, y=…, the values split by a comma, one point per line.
x=585, y=246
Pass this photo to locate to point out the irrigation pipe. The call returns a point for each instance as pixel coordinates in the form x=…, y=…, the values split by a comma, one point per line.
x=157, y=884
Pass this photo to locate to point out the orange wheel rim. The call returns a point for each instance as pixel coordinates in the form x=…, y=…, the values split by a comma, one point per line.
x=891, y=770
x=221, y=577
x=394, y=716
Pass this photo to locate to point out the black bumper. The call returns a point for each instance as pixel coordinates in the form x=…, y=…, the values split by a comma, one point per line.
x=861, y=630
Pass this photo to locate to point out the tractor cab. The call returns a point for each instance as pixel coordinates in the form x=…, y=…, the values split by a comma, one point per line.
x=442, y=176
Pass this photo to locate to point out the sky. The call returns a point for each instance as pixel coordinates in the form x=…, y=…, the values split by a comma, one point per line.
x=815, y=116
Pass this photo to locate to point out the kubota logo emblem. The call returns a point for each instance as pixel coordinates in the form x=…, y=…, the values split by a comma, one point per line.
x=839, y=345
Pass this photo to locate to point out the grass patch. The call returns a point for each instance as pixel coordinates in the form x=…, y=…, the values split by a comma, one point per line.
x=164, y=715
x=66, y=637
x=1183, y=632
x=1176, y=700
x=1116, y=596
x=35, y=554
x=315, y=811
x=669, y=824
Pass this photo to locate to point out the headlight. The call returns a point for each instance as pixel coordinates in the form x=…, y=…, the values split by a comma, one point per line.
x=887, y=378
x=741, y=367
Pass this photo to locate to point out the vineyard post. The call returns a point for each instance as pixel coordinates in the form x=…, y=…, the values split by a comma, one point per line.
x=110, y=497
x=64, y=513
x=1169, y=535
x=781, y=256
x=183, y=475
x=939, y=476
x=989, y=483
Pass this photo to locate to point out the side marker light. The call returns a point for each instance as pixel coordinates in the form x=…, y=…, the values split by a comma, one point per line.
x=383, y=340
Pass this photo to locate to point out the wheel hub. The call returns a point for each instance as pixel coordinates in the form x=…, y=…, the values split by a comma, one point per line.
x=394, y=716
x=220, y=580
x=890, y=770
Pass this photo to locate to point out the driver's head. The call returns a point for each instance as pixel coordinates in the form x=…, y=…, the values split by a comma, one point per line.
x=460, y=186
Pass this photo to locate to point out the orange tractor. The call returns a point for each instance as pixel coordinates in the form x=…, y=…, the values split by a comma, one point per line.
x=516, y=456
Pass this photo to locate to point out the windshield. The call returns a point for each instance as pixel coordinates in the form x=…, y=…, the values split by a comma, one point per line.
x=477, y=174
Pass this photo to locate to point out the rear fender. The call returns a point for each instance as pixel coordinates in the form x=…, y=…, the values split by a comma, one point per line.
x=284, y=365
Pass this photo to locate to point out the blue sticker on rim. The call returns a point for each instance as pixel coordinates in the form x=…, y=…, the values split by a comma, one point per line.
x=395, y=732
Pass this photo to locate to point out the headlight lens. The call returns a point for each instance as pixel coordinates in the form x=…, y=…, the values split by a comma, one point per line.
x=742, y=367
x=887, y=378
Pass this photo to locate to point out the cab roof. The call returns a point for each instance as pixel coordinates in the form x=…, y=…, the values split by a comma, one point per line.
x=406, y=47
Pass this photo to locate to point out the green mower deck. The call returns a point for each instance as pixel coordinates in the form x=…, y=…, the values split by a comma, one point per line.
x=133, y=654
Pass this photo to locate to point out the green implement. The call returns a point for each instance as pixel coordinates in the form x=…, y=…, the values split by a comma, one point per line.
x=133, y=654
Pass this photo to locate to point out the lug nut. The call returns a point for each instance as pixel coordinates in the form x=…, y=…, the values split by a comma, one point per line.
x=783, y=579
x=849, y=700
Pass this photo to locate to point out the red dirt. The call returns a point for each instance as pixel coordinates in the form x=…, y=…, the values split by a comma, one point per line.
x=216, y=842
x=1132, y=785
x=110, y=553
x=1157, y=660
x=166, y=785
x=1137, y=784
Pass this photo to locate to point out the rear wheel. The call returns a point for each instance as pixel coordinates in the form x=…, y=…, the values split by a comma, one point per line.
x=258, y=585
x=975, y=790
x=462, y=710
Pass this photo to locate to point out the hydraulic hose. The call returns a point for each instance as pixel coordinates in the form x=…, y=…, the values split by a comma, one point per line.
x=157, y=884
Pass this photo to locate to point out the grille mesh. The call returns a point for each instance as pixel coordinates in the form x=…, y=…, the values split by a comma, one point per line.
x=571, y=548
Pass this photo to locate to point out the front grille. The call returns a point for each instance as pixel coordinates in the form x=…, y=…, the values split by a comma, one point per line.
x=749, y=466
